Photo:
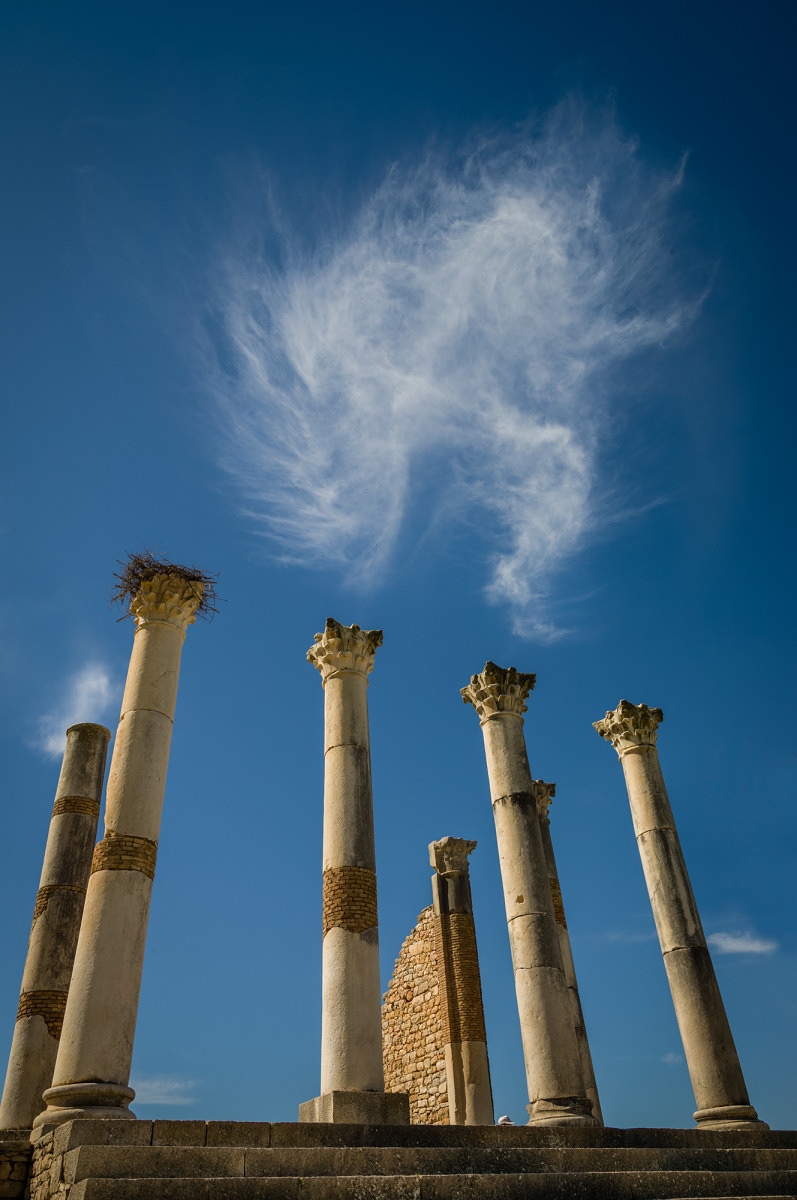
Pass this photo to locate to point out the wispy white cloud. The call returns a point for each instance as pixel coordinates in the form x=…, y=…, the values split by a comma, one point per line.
x=741, y=943
x=446, y=359
x=163, y=1089
x=86, y=697
x=671, y=1059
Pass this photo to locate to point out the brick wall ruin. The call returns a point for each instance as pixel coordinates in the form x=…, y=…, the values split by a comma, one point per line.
x=412, y=1027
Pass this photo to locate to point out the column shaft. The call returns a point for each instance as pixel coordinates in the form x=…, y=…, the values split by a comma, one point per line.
x=352, y=1073
x=351, y=1021
x=92, y=1069
x=56, y=924
x=544, y=792
x=553, y=1065
x=470, y=1098
x=714, y=1068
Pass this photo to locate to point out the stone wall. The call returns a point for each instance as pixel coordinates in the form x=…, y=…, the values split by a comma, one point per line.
x=15, y=1154
x=412, y=1027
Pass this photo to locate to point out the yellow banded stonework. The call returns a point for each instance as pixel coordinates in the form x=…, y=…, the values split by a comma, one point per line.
x=461, y=1006
x=124, y=852
x=44, y=893
x=349, y=899
x=49, y=1006
x=77, y=804
x=558, y=905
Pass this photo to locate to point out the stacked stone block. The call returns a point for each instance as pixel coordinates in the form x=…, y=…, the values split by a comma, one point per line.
x=413, y=1029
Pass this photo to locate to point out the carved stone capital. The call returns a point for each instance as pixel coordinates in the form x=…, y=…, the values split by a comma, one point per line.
x=167, y=597
x=543, y=794
x=498, y=690
x=630, y=726
x=344, y=648
x=450, y=854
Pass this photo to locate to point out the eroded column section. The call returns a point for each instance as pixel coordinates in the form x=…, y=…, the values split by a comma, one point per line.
x=543, y=794
x=92, y=1069
x=553, y=1065
x=352, y=1079
x=470, y=1097
x=720, y=1091
x=56, y=924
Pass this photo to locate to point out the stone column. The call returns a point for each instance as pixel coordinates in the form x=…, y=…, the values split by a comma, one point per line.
x=470, y=1097
x=543, y=794
x=56, y=924
x=352, y=1079
x=720, y=1092
x=553, y=1065
x=96, y=1049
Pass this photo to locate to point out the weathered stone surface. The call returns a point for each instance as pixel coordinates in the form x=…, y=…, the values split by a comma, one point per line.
x=412, y=1027
x=711, y=1057
x=99, y=1023
x=377, y=1108
x=56, y=924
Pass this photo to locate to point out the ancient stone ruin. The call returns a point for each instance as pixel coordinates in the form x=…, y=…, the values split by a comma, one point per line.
x=405, y=1107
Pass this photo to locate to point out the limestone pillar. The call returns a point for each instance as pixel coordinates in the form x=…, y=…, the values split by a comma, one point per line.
x=553, y=1065
x=543, y=794
x=96, y=1049
x=352, y=1079
x=720, y=1092
x=56, y=924
x=470, y=1097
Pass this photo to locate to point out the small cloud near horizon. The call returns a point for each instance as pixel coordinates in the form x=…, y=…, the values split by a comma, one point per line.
x=87, y=696
x=671, y=1058
x=741, y=943
x=163, y=1089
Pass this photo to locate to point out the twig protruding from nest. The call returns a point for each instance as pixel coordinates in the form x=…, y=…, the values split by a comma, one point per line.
x=137, y=568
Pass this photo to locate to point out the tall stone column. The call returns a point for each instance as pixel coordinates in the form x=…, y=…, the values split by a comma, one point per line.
x=56, y=924
x=543, y=794
x=720, y=1092
x=352, y=1079
x=470, y=1097
x=92, y=1069
x=553, y=1065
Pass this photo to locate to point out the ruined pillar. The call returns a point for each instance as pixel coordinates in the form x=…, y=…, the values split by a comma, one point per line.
x=470, y=1097
x=56, y=924
x=92, y=1069
x=553, y=1065
x=352, y=1079
x=720, y=1092
x=543, y=794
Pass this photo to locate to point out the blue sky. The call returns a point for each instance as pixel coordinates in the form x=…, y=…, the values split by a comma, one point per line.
x=469, y=323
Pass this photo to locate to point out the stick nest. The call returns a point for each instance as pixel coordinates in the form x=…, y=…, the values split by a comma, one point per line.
x=137, y=568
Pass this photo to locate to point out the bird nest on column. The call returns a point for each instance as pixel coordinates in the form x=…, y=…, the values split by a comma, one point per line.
x=137, y=568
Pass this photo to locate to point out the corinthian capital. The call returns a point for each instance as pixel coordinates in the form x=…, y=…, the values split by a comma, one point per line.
x=543, y=794
x=450, y=854
x=344, y=648
x=630, y=726
x=167, y=597
x=498, y=690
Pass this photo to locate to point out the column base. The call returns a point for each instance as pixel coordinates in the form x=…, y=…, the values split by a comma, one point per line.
x=564, y=1110
x=729, y=1116
x=357, y=1108
x=80, y=1101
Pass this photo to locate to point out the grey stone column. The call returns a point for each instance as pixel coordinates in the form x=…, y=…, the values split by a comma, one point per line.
x=553, y=1065
x=56, y=924
x=720, y=1091
x=544, y=793
x=92, y=1069
x=352, y=1078
x=470, y=1097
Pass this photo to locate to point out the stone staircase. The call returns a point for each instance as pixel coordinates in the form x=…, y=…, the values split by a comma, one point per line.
x=217, y=1160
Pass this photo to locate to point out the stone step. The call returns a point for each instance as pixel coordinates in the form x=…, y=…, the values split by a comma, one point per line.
x=229, y=1162
x=593, y=1185
x=294, y=1134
